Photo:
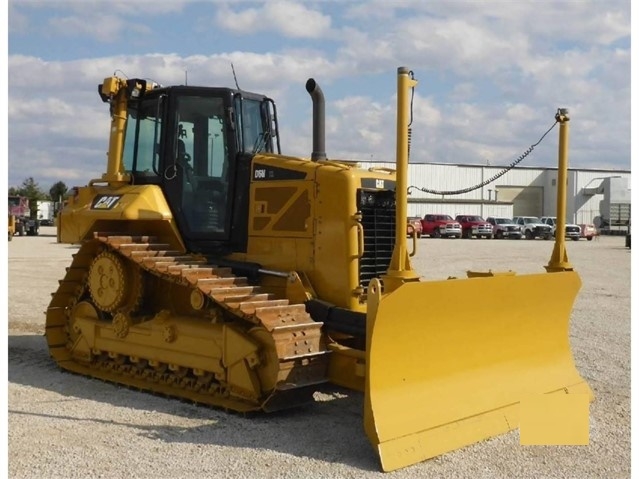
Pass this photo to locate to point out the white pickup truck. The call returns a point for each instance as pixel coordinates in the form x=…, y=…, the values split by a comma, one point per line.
x=532, y=227
x=572, y=231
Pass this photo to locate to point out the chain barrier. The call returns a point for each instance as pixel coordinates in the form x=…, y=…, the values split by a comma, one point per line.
x=492, y=178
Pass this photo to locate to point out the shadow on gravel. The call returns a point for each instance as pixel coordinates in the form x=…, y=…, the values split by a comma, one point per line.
x=329, y=430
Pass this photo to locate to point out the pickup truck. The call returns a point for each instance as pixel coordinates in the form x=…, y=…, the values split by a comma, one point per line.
x=588, y=231
x=438, y=226
x=532, y=227
x=474, y=226
x=504, y=228
x=572, y=231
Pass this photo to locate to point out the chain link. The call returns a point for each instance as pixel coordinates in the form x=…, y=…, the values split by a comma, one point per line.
x=489, y=180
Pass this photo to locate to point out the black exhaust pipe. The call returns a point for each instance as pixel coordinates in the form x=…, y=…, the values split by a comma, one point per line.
x=319, y=128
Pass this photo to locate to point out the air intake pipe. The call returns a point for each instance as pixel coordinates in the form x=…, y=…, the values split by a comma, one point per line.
x=319, y=127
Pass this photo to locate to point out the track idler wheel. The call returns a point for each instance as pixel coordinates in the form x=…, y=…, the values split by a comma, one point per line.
x=113, y=283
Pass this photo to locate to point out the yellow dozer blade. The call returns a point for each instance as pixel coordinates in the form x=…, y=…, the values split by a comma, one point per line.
x=448, y=361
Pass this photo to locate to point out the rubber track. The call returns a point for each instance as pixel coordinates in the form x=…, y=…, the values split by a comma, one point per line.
x=297, y=338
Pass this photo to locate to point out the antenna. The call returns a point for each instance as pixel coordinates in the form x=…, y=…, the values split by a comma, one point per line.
x=235, y=77
x=186, y=77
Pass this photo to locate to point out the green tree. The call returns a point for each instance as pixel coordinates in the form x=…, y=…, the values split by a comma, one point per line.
x=58, y=191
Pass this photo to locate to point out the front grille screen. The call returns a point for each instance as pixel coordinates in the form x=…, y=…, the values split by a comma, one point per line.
x=378, y=220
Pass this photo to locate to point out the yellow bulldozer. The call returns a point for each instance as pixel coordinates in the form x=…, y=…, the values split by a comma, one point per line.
x=215, y=269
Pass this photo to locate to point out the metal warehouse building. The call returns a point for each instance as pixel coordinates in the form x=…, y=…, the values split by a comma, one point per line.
x=597, y=196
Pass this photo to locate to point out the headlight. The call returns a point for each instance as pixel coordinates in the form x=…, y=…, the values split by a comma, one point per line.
x=376, y=199
x=366, y=198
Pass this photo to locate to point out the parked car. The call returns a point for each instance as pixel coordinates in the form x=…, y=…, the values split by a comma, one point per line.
x=572, y=231
x=628, y=234
x=532, y=227
x=414, y=223
x=437, y=226
x=504, y=228
x=474, y=226
x=588, y=231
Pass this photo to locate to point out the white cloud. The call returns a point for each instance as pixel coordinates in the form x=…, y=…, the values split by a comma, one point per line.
x=16, y=21
x=490, y=78
x=463, y=91
x=28, y=109
x=426, y=113
x=104, y=21
x=103, y=27
x=363, y=122
x=478, y=38
x=291, y=19
x=139, y=7
x=590, y=21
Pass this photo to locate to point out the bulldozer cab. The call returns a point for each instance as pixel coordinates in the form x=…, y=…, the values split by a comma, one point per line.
x=197, y=144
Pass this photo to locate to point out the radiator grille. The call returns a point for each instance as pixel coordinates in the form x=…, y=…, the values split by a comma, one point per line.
x=378, y=221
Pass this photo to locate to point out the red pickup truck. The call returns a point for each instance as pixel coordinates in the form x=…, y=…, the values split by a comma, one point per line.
x=438, y=226
x=475, y=226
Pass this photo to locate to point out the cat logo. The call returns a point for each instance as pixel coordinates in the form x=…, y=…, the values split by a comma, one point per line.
x=105, y=202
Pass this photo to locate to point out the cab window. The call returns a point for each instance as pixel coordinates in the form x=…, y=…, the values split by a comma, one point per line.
x=143, y=128
x=202, y=163
x=252, y=119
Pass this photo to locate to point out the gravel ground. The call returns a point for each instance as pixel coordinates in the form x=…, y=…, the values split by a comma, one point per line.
x=67, y=426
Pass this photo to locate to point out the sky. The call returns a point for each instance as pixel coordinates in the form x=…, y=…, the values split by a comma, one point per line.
x=491, y=75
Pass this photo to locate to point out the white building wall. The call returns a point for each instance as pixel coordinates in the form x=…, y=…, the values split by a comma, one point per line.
x=580, y=206
x=588, y=207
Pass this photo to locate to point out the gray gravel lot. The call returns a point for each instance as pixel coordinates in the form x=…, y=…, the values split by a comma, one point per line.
x=66, y=426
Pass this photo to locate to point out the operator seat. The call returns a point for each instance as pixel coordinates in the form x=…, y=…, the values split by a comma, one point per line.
x=184, y=162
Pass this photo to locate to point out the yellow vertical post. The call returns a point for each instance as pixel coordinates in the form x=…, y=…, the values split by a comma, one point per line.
x=116, y=89
x=400, y=269
x=559, y=258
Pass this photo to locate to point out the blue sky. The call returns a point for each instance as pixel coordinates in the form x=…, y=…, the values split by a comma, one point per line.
x=491, y=75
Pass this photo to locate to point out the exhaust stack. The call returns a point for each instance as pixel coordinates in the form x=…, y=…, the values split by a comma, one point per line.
x=319, y=128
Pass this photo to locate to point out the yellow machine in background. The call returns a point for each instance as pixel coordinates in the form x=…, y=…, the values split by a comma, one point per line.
x=216, y=269
x=12, y=226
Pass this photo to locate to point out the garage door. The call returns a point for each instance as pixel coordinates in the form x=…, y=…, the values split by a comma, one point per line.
x=526, y=200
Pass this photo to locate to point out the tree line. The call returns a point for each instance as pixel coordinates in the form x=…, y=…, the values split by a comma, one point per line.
x=31, y=189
